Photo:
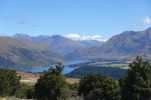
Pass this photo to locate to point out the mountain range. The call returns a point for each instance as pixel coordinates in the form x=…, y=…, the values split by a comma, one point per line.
x=25, y=51
x=59, y=43
x=21, y=53
x=125, y=45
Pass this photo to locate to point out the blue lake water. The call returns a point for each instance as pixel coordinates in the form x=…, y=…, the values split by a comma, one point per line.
x=65, y=71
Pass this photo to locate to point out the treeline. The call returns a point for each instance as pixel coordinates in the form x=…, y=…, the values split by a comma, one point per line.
x=135, y=85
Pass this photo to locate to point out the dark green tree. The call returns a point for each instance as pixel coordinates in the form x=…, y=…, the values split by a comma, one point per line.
x=99, y=87
x=57, y=70
x=9, y=82
x=74, y=89
x=136, y=85
x=52, y=85
x=25, y=91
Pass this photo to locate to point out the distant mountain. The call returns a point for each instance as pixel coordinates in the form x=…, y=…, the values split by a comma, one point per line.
x=126, y=44
x=23, y=51
x=22, y=36
x=18, y=53
x=60, y=43
x=91, y=43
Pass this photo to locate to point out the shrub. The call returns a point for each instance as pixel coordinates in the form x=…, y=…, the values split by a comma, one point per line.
x=99, y=87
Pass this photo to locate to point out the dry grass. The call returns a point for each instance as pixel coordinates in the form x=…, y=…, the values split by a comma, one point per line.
x=72, y=80
x=31, y=79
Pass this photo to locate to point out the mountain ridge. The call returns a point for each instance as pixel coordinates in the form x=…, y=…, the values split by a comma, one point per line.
x=126, y=44
x=22, y=50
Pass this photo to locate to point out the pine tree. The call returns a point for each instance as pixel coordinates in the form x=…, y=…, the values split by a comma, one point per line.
x=136, y=85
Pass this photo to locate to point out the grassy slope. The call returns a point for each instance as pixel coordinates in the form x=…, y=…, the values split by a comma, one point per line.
x=17, y=53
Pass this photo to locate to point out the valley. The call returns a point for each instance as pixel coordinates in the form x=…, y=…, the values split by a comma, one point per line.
x=36, y=54
x=75, y=50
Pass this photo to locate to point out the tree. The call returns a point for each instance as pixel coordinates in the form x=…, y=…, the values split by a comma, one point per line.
x=52, y=85
x=25, y=91
x=74, y=89
x=136, y=85
x=99, y=87
x=9, y=82
x=57, y=70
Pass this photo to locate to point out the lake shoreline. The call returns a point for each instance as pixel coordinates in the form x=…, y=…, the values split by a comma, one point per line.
x=67, y=68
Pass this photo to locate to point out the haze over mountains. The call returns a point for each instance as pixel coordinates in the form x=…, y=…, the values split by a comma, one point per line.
x=22, y=50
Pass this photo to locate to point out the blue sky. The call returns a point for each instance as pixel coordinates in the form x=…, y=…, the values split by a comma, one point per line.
x=76, y=17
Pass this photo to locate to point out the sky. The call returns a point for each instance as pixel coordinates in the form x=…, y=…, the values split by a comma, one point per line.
x=76, y=19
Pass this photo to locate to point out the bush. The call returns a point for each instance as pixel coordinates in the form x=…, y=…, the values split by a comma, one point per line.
x=9, y=82
x=25, y=92
x=99, y=87
x=74, y=89
x=52, y=85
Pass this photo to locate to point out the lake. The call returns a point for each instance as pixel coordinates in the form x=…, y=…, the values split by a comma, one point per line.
x=65, y=71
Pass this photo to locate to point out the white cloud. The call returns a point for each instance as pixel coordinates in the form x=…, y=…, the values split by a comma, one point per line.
x=97, y=37
x=147, y=20
x=73, y=36
x=85, y=37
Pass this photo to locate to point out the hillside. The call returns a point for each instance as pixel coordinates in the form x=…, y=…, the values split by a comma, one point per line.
x=91, y=43
x=20, y=53
x=60, y=43
x=84, y=70
x=31, y=79
x=25, y=51
x=124, y=45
